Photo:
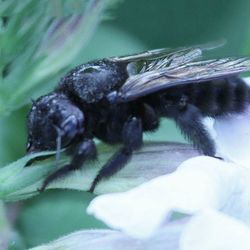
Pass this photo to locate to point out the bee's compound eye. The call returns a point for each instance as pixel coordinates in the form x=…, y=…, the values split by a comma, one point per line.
x=70, y=128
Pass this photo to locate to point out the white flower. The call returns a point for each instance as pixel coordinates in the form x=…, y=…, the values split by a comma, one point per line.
x=233, y=137
x=215, y=193
x=199, y=183
x=210, y=230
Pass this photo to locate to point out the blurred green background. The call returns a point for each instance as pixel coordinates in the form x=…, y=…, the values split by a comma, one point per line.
x=132, y=26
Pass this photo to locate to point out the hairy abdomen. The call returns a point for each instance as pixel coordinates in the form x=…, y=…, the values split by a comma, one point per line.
x=219, y=97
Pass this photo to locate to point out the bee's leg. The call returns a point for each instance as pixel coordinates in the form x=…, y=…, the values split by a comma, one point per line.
x=132, y=140
x=189, y=120
x=150, y=120
x=86, y=150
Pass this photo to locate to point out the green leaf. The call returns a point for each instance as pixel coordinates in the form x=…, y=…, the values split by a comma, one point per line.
x=19, y=182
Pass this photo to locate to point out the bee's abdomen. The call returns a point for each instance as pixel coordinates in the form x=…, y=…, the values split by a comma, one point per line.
x=220, y=97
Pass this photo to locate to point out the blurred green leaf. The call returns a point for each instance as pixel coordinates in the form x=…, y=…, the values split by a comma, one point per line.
x=53, y=214
x=5, y=232
x=170, y=23
x=35, y=59
x=12, y=134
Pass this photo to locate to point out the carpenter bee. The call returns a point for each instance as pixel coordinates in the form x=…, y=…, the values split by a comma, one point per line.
x=119, y=98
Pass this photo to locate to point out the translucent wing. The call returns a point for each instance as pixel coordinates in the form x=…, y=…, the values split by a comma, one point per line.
x=150, y=54
x=161, y=58
x=156, y=59
x=172, y=59
x=175, y=74
x=153, y=55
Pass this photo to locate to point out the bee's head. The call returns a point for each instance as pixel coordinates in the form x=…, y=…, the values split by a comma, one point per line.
x=53, y=120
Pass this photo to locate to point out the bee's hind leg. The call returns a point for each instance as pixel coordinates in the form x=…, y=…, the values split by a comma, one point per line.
x=190, y=121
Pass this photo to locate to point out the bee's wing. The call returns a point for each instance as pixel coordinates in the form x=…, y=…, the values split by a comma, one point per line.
x=166, y=57
x=192, y=72
x=172, y=59
x=157, y=59
x=164, y=53
x=145, y=55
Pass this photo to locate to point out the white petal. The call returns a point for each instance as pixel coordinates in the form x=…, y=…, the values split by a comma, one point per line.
x=212, y=230
x=199, y=183
x=232, y=136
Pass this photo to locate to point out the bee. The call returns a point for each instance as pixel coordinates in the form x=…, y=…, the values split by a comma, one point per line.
x=117, y=99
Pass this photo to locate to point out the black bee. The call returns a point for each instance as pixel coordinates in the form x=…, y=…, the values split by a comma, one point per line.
x=117, y=99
